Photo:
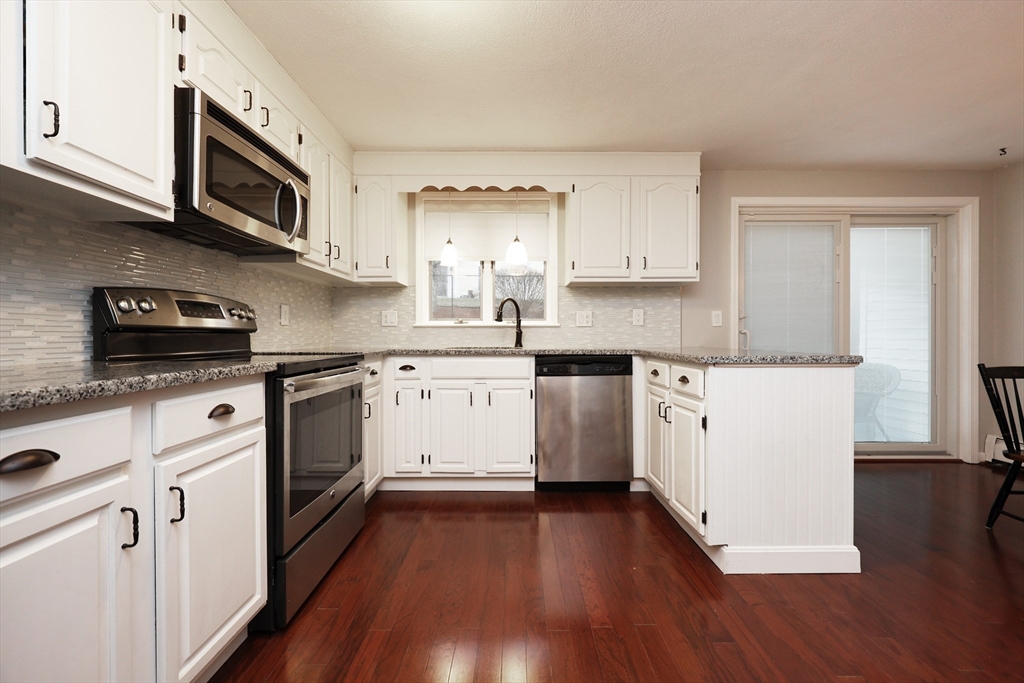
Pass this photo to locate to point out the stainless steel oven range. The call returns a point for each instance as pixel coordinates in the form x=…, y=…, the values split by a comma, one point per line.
x=314, y=421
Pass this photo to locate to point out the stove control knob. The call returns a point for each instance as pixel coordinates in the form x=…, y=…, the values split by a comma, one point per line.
x=234, y=312
x=249, y=315
x=147, y=305
x=125, y=304
x=254, y=316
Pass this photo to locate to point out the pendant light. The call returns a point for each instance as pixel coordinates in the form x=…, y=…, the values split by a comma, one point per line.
x=516, y=254
x=449, y=257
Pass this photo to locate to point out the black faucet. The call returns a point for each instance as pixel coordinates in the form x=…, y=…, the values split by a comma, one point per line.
x=519, y=319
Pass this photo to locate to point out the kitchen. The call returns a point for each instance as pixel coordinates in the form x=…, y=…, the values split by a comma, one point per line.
x=380, y=209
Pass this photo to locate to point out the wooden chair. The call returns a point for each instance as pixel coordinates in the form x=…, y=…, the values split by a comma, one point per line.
x=1013, y=429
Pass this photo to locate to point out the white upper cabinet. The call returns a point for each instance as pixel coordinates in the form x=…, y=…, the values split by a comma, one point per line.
x=377, y=231
x=211, y=67
x=276, y=123
x=668, y=228
x=317, y=160
x=637, y=229
x=600, y=229
x=107, y=68
x=341, y=261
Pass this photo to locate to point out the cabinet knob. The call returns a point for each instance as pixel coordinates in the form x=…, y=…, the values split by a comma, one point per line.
x=684, y=379
x=655, y=373
x=28, y=460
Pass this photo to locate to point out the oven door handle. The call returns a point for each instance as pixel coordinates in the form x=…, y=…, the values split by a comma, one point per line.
x=340, y=378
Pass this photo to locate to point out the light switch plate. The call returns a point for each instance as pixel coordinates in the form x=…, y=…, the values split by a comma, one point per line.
x=389, y=318
x=716, y=318
x=638, y=316
x=284, y=314
x=584, y=318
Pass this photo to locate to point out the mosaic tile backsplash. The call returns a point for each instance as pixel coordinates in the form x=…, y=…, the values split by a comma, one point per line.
x=356, y=321
x=49, y=265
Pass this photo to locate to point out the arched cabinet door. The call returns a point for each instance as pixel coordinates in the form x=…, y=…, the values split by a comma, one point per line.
x=668, y=228
x=600, y=229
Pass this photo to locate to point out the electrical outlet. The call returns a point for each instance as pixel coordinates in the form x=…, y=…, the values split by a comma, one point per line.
x=716, y=318
x=389, y=318
x=584, y=318
x=638, y=316
x=284, y=314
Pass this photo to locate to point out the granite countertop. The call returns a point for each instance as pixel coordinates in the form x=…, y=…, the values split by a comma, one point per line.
x=32, y=386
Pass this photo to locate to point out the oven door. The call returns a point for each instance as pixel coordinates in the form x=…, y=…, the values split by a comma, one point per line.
x=322, y=448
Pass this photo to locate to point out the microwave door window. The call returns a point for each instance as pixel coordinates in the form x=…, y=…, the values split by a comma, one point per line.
x=245, y=187
x=321, y=445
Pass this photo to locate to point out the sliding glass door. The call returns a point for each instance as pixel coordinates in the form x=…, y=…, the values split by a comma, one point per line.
x=819, y=284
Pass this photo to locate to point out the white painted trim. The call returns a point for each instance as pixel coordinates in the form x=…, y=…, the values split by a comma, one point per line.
x=480, y=167
x=490, y=482
x=829, y=559
x=640, y=485
x=965, y=210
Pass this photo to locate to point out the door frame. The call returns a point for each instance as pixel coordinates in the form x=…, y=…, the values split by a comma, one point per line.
x=962, y=261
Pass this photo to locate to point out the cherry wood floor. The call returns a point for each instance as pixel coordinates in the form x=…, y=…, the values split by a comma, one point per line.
x=605, y=587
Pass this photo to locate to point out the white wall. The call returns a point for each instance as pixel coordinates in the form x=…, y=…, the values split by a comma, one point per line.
x=1007, y=322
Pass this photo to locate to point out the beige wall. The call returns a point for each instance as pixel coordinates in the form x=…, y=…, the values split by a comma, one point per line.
x=1007, y=306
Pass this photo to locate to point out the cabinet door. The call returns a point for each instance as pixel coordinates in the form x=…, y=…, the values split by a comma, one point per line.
x=108, y=67
x=341, y=218
x=210, y=67
x=599, y=229
x=668, y=228
x=656, y=426
x=372, y=440
x=408, y=427
x=374, y=229
x=316, y=160
x=510, y=441
x=686, y=486
x=276, y=123
x=65, y=587
x=451, y=426
x=211, y=573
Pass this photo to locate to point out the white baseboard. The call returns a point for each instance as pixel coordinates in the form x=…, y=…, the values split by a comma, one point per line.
x=225, y=654
x=994, y=447
x=639, y=485
x=456, y=484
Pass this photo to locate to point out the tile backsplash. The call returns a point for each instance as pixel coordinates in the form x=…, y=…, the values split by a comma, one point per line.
x=356, y=319
x=49, y=265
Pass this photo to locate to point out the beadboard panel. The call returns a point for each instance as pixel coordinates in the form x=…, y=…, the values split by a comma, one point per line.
x=356, y=321
x=770, y=486
x=49, y=265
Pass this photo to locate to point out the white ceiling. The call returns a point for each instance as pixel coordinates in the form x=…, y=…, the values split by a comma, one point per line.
x=751, y=84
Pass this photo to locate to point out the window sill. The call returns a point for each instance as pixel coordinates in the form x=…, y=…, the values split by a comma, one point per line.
x=481, y=323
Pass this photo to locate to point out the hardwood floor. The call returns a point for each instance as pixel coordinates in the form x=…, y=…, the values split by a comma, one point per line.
x=606, y=587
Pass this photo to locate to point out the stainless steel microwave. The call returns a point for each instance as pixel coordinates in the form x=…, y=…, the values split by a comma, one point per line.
x=233, y=190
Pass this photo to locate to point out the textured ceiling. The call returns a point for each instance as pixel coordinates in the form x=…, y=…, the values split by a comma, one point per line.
x=752, y=84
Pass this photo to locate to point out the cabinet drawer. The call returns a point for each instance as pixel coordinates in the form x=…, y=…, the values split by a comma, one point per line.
x=481, y=367
x=372, y=376
x=180, y=420
x=657, y=373
x=85, y=444
x=688, y=380
x=409, y=368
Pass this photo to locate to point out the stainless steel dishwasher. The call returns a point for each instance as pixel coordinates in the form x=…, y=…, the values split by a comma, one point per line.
x=584, y=419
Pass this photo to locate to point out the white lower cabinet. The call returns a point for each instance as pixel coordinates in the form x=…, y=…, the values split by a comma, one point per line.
x=87, y=535
x=657, y=440
x=675, y=436
x=510, y=426
x=452, y=425
x=471, y=417
x=686, y=493
x=210, y=550
x=65, y=587
x=372, y=440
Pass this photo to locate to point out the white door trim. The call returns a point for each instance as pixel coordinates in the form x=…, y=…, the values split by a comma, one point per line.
x=964, y=213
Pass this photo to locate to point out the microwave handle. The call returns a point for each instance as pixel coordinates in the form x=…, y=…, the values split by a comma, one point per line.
x=298, y=209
